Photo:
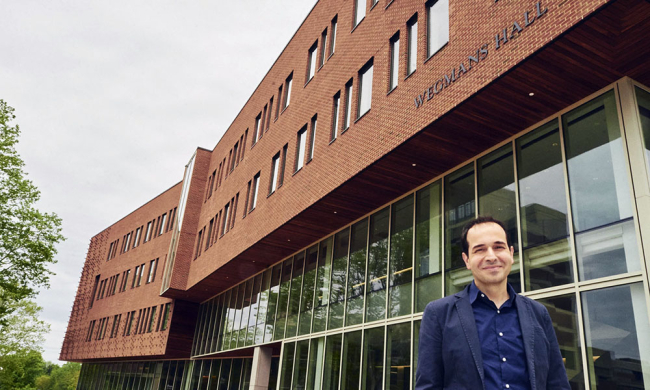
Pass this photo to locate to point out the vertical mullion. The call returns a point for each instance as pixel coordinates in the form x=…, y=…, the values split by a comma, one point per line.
x=475, y=188
x=385, y=356
x=365, y=277
x=443, y=225
x=322, y=372
x=275, y=316
x=415, y=206
x=568, y=199
x=581, y=331
x=390, y=231
x=347, y=279
x=363, y=336
x=302, y=286
x=513, y=144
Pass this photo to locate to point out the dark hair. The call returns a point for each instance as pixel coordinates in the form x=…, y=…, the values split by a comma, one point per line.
x=481, y=219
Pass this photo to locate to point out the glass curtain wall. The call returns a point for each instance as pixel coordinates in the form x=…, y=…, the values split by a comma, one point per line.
x=564, y=191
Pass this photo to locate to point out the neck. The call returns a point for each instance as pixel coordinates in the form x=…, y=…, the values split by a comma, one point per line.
x=497, y=293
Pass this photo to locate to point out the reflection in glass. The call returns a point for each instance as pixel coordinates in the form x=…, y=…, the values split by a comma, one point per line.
x=398, y=356
x=262, y=310
x=563, y=311
x=235, y=374
x=332, y=362
x=300, y=365
x=351, y=361
x=497, y=197
x=643, y=100
x=274, y=293
x=599, y=187
x=416, y=340
x=245, y=313
x=356, y=273
x=224, y=375
x=401, y=257
x=322, y=295
x=287, y=366
x=283, y=300
x=617, y=336
x=459, y=209
x=373, y=359
x=254, y=309
x=543, y=208
x=316, y=363
x=377, y=266
x=294, y=298
x=214, y=374
x=231, y=300
x=307, y=301
x=428, y=245
x=339, y=268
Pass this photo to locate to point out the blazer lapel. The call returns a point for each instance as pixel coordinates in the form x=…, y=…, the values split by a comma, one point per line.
x=467, y=321
x=528, y=335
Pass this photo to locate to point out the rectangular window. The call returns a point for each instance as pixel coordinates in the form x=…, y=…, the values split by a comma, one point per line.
x=412, y=27
x=348, y=105
x=197, y=250
x=153, y=265
x=264, y=124
x=136, y=239
x=312, y=138
x=140, y=274
x=165, y=320
x=92, y=297
x=283, y=163
x=234, y=211
x=135, y=276
x=323, y=48
x=365, y=89
x=224, y=224
x=248, y=197
x=279, y=107
x=268, y=119
x=359, y=11
x=147, y=235
x=275, y=171
x=256, y=184
x=235, y=150
x=335, y=115
x=437, y=25
x=333, y=35
x=208, y=242
x=125, y=279
x=152, y=319
x=300, y=148
x=161, y=230
x=311, y=62
x=287, y=91
x=394, y=61
x=110, y=251
x=256, y=131
x=127, y=240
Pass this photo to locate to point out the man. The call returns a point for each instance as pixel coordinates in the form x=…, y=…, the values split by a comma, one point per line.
x=487, y=336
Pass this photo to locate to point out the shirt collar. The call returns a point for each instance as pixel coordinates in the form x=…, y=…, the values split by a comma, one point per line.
x=474, y=291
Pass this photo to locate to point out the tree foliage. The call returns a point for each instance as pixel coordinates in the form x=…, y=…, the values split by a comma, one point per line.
x=27, y=235
x=22, y=331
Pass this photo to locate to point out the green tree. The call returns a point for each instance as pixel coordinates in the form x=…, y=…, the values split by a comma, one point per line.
x=19, y=370
x=60, y=378
x=27, y=235
x=22, y=330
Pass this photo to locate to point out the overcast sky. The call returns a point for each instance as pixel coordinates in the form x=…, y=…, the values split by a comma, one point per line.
x=113, y=97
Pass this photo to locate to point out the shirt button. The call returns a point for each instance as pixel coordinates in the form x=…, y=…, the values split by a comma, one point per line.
x=498, y=311
x=482, y=295
x=501, y=334
x=504, y=359
x=507, y=386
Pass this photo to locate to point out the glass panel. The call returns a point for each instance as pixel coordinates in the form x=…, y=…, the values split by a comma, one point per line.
x=643, y=99
x=273, y=376
x=377, y=266
x=168, y=383
x=246, y=309
x=294, y=299
x=563, y=311
x=428, y=245
x=398, y=356
x=194, y=378
x=332, y=362
x=225, y=298
x=339, y=268
x=617, y=336
x=350, y=372
x=497, y=197
x=235, y=374
x=401, y=257
x=224, y=374
x=599, y=186
x=246, y=374
x=232, y=303
x=262, y=311
x=274, y=293
x=241, y=294
x=205, y=375
x=300, y=365
x=416, y=340
x=307, y=302
x=322, y=285
x=283, y=300
x=357, y=273
x=543, y=208
x=459, y=209
x=373, y=359
x=316, y=363
x=287, y=366
x=214, y=374
x=252, y=319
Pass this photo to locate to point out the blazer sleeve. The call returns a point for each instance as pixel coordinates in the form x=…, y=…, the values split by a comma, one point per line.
x=557, y=377
x=430, y=370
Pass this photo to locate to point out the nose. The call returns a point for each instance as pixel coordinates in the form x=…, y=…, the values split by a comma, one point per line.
x=490, y=255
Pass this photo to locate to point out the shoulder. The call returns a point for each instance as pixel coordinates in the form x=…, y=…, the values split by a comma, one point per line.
x=538, y=310
x=442, y=305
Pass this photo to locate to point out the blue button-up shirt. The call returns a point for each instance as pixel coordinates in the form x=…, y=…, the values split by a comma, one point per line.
x=502, y=345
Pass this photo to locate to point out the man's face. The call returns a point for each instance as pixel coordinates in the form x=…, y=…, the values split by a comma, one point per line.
x=489, y=257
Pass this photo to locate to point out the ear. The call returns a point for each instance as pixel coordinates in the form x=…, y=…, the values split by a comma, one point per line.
x=466, y=260
x=512, y=255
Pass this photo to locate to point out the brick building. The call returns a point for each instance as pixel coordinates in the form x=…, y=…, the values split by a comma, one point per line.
x=300, y=251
